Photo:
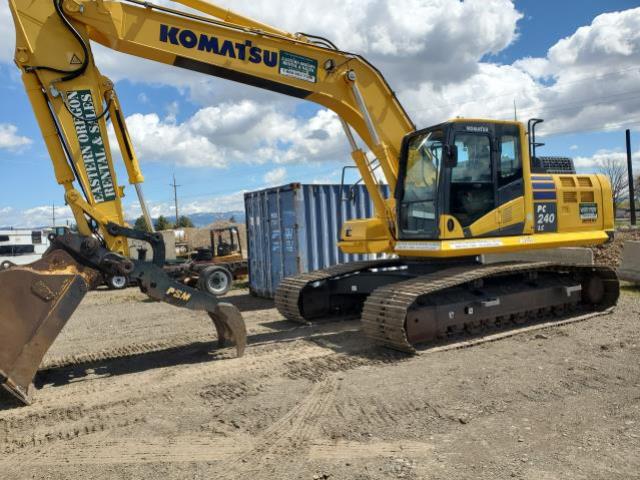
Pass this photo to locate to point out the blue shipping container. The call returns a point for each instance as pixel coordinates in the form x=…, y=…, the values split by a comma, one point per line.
x=295, y=228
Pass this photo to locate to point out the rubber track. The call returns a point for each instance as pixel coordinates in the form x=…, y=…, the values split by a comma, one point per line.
x=385, y=310
x=288, y=293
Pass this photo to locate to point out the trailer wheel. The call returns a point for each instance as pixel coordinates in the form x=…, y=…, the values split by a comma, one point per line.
x=215, y=280
x=117, y=282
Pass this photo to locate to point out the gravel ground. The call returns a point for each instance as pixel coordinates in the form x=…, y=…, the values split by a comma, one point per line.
x=322, y=403
x=611, y=253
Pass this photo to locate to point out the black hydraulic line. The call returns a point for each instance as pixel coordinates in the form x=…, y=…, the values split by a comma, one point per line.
x=69, y=74
x=104, y=113
x=323, y=40
x=65, y=147
x=123, y=131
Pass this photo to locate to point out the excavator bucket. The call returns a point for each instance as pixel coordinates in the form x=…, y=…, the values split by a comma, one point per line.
x=36, y=301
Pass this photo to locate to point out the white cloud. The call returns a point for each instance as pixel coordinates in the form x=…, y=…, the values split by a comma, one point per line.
x=574, y=147
x=7, y=35
x=275, y=176
x=329, y=178
x=220, y=203
x=408, y=40
x=9, y=138
x=595, y=73
x=442, y=39
x=489, y=93
x=588, y=81
x=591, y=163
x=434, y=52
x=246, y=132
x=40, y=216
x=612, y=38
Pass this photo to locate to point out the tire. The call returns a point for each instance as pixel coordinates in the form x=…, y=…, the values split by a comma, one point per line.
x=215, y=280
x=117, y=282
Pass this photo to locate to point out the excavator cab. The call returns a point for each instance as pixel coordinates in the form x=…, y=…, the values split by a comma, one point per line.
x=453, y=175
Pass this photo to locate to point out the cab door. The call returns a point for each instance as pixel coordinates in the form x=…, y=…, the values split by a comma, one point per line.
x=472, y=190
x=486, y=186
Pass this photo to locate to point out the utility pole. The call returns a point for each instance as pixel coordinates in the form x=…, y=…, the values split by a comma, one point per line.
x=632, y=196
x=175, y=196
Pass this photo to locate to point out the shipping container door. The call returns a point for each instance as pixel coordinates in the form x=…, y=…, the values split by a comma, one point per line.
x=283, y=235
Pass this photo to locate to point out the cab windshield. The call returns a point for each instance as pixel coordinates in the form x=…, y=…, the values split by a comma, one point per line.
x=418, y=204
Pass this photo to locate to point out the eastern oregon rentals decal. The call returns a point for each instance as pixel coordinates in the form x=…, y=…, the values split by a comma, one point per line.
x=92, y=146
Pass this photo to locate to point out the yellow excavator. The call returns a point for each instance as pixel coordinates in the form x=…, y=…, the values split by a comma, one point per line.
x=460, y=189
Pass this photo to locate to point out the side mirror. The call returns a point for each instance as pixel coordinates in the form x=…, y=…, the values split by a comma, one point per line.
x=450, y=156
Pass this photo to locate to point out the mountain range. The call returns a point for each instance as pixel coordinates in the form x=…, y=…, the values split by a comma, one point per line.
x=204, y=219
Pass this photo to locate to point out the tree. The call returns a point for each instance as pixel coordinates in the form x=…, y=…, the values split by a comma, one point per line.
x=184, y=222
x=616, y=171
x=140, y=225
x=163, y=224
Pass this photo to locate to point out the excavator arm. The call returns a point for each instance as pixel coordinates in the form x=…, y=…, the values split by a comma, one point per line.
x=72, y=102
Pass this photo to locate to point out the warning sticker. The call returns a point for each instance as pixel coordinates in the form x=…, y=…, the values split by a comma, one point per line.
x=589, y=212
x=297, y=66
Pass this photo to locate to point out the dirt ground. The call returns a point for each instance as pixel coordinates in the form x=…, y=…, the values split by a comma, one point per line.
x=611, y=253
x=323, y=403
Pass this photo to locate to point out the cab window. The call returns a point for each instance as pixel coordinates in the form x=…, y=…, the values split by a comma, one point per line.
x=510, y=161
x=474, y=159
x=418, y=203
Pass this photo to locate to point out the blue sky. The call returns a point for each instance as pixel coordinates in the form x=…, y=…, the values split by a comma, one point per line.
x=504, y=57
